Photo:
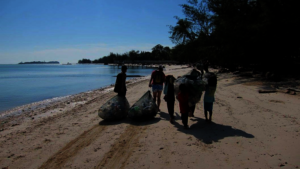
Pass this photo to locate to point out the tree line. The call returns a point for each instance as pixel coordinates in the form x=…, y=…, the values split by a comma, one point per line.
x=158, y=52
x=230, y=33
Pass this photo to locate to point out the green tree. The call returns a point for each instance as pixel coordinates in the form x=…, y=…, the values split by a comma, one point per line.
x=240, y=32
x=182, y=32
x=133, y=55
x=157, y=51
x=198, y=13
x=85, y=61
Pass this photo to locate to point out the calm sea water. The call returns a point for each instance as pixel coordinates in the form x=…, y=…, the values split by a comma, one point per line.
x=24, y=84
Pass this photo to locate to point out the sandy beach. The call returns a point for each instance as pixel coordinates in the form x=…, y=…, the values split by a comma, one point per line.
x=249, y=130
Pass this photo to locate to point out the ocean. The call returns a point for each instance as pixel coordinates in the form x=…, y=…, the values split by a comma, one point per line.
x=24, y=84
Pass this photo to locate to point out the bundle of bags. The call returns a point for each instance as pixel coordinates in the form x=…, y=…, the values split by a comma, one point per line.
x=210, y=78
x=195, y=86
x=144, y=108
x=114, y=109
x=118, y=108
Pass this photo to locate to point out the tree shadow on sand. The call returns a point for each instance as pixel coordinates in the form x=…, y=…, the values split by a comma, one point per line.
x=207, y=132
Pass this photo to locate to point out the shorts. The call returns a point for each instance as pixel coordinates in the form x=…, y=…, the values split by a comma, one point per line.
x=208, y=106
x=157, y=88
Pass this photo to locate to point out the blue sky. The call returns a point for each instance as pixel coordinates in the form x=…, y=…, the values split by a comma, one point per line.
x=69, y=30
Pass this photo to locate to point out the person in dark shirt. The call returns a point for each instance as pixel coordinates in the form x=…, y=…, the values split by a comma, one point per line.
x=205, y=66
x=183, y=98
x=156, y=82
x=200, y=66
x=169, y=96
x=194, y=75
x=120, y=86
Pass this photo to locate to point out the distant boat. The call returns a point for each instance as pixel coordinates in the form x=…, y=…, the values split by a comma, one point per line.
x=39, y=62
x=67, y=63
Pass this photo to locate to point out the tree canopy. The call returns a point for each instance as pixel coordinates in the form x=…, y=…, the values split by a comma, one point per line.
x=264, y=33
x=159, y=52
x=239, y=32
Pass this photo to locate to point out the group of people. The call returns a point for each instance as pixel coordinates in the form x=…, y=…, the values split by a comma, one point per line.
x=157, y=81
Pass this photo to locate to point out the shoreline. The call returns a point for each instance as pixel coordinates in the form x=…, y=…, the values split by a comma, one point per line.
x=15, y=97
x=18, y=110
x=44, y=103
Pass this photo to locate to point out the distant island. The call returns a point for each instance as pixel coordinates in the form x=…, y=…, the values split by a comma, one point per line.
x=39, y=62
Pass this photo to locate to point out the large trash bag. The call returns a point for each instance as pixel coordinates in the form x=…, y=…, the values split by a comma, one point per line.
x=195, y=86
x=144, y=108
x=114, y=109
x=210, y=78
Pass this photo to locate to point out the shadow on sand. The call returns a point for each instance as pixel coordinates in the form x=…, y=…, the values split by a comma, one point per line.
x=129, y=121
x=207, y=132
x=261, y=82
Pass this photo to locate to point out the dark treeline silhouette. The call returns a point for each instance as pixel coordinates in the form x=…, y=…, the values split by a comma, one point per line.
x=159, y=52
x=258, y=34
x=239, y=33
x=85, y=61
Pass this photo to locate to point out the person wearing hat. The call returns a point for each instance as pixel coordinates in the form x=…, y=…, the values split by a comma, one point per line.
x=156, y=82
x=120, y=86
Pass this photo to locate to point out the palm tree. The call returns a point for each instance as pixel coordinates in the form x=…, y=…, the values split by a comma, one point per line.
x=182, y=32
x=198, y=13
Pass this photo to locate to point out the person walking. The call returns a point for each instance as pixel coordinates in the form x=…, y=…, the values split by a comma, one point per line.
x=209, y=96
x=120, y=85
x=195, y=74
x=170, y=96
x=156, y=82
x=199, y=66
x=183, y=98
x=205, y=66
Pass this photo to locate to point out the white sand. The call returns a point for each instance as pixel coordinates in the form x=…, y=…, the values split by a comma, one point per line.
x=249, y=130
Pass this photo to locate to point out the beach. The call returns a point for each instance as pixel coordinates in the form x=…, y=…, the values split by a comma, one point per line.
x=249, y=130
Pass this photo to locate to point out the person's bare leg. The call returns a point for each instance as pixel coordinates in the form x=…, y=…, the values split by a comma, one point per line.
x=154, y=96
x=158, y=98
x=205, y=114
x=210, y=115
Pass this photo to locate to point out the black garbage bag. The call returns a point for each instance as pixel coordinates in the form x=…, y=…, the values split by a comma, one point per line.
x=114, y=109
x=210, y=78
x=195, y=86
x=144, y=108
